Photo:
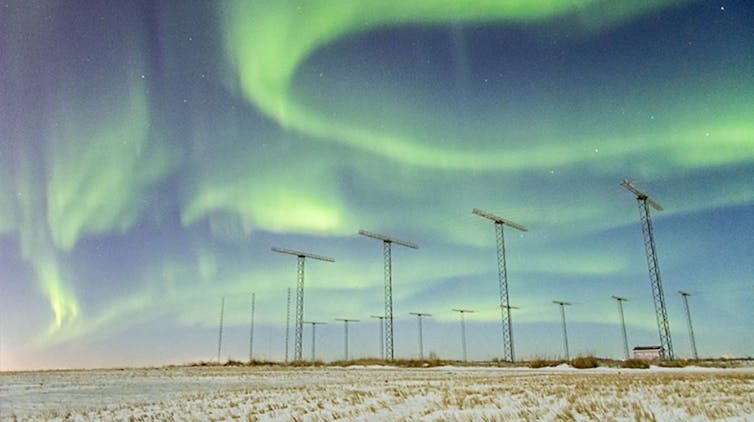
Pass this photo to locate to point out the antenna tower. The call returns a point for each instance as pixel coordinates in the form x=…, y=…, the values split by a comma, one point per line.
x=345, y=324
x=251, y=330
x=565, y=332
x=220, y=336
x=300, y=292
x=314, y=325
x=463, y=328
x=685, y=297
x=387, y=241
x=382, y=336
x=658, y=295
x=419, y=316
x=287, y=323
x=620, y=301
x=502, y=271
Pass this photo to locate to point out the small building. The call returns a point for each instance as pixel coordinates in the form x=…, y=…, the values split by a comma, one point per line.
x=647, y=352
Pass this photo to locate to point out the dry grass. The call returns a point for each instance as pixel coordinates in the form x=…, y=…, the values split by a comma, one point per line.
x=635, y=364
x=229, y=363
x=544, y=363
x=304, y=363
x=588, y=361
x=677, y=363
x=584, y=362
x=359, y=362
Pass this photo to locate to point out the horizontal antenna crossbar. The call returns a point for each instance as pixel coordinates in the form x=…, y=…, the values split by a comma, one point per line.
x=389, y=239
x=640, y=195
x=302, y=254
x=498, y=219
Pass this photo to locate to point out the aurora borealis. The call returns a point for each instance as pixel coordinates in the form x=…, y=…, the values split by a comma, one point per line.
x=152, y=152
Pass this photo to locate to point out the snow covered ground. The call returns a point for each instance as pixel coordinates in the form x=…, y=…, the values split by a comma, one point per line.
x=379, y=393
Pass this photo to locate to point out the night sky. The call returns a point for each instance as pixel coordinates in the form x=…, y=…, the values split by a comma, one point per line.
x=151, y=153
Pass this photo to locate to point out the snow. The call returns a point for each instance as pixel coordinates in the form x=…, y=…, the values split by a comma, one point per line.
x=455, y=393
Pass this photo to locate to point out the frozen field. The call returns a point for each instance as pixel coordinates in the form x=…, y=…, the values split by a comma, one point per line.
x=377, y=393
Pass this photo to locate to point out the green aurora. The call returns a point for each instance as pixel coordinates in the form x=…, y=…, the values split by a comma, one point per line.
x=152, y=153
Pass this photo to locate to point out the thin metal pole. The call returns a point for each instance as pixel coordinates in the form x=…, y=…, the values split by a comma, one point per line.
x=685, y=297
x=287, y=323
x=382, y=337
x=620, y=301
x=419, y=316
x=251, y=330
x=463, y=329
x=565, y=331
x=314, y=335
x=220, y=336
x=421, y=341
x=345, y=340
x=623, y=324
x=314, y=341
x=463, y=336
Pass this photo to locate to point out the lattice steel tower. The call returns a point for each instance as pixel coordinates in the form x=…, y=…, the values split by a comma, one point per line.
x=502, y=271
x=387, y=241
x=658, y=295
x=300, y=293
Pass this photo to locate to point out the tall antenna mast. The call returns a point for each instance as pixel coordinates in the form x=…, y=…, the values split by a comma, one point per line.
x=314, y=325
x=463, y=329
x=419, y=316
x=382, y=336
x=685, y=297
x=251, y=330
x=345, y=324
x=220, y=336
x=620, y=301
x=387, y=241
x=654, y=267
x=300, y=292
x=502, y=271
x=287, y=323
x=565, y=332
